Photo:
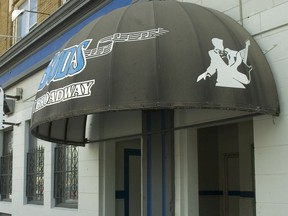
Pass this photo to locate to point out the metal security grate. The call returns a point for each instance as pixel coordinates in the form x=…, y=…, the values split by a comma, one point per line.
x=35, y=175
x=66, y=176
x=6, y=177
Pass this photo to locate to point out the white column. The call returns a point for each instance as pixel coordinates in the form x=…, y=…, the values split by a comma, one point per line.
x=49, y=150
x=107, y=178
x=186, y=173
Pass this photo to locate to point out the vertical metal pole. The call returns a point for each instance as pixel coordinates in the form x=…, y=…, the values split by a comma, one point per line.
x=1, y=107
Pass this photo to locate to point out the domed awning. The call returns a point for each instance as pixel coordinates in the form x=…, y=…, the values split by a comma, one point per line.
x=152, y=55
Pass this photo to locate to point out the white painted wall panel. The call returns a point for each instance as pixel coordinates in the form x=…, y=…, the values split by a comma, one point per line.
x=273, y=160
x=273, y=189
x=274, y=45
x=252, y=23
x=274, y=17
x=270, y=132
x=88, y=202
x=253, y=7
x=268, y=209
x=229, y=7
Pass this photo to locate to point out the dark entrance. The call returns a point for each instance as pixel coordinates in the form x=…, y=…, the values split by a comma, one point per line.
x=226, y=170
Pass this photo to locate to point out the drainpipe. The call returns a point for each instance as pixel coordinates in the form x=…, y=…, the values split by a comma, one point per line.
x=241, y=12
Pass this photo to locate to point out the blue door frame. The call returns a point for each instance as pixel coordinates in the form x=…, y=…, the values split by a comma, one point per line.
x=124, y=194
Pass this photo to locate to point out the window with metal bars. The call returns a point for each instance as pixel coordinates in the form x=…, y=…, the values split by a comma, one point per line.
x=6, y=163
x=35, y=175
x=35, y=170
x=66, y=176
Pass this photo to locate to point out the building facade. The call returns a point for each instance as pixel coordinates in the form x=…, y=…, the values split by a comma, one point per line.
x=167, y=160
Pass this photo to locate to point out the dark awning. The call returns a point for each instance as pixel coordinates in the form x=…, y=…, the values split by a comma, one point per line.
x=152, y=55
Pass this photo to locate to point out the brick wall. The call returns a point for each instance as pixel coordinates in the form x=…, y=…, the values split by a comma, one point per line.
x=5, y=27
x=47, y=6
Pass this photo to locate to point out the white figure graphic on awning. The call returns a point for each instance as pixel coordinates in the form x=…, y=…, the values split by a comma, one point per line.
x=227, y=72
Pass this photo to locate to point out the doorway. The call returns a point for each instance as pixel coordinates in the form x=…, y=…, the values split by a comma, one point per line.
x=226, y=170
x=231, y=184
x=144, y=169
x=128, y=178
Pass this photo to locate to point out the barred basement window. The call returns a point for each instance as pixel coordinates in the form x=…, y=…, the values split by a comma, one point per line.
x=66, y=176
x=6, y=163
x=35, y=175
x=35, y=169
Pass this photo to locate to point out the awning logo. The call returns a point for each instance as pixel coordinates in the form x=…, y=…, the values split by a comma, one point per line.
x=227, y=72
x=105, y=45
x=73, y=60
x=69, y=92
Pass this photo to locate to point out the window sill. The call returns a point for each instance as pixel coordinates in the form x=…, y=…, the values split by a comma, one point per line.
x=68, y=205
x=6, y=200
x=35, y=203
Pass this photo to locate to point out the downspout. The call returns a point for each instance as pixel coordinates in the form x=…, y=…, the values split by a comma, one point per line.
x=241, y=12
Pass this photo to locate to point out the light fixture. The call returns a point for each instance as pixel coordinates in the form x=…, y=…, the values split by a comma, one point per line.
x=7, y=106
x=17, y=13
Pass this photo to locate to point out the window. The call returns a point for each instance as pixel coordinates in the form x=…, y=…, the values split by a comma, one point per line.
x=66, y=176
x=35, y=171
x=6, y=166
x=26, y=21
